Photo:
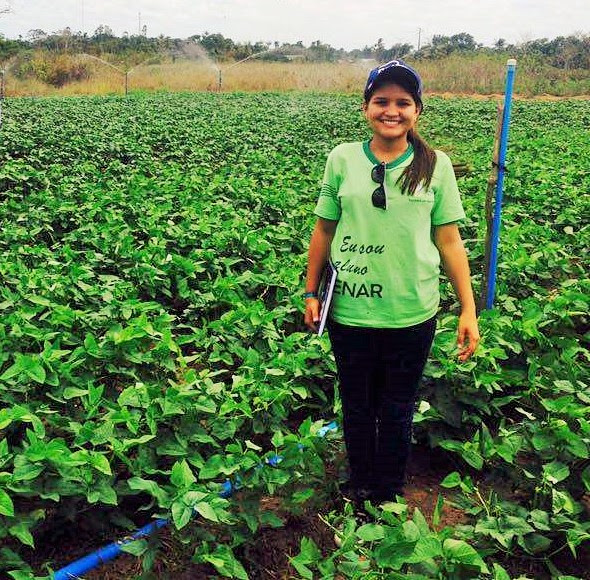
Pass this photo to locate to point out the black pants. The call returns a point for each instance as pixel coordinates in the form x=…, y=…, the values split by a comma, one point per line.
x=379, y=371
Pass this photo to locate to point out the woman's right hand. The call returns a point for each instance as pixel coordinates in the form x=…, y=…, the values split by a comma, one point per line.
x=312, y=313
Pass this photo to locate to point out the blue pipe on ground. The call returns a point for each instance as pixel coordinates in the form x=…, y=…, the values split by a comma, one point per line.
x=110, y=552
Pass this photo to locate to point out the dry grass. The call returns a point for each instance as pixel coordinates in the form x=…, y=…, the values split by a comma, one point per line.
x=485, y=74
x=465, y=75
x=202, y=76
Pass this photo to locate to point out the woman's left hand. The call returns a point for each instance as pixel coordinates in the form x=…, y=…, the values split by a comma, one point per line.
x=467, y=335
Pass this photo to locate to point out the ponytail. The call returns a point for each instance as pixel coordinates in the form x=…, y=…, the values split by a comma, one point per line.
x=422, y=167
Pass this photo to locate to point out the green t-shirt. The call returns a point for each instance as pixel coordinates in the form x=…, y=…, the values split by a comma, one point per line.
x=388, y=265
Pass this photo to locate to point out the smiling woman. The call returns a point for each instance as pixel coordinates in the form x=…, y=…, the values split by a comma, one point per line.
x=391, y=112
x=386, y=302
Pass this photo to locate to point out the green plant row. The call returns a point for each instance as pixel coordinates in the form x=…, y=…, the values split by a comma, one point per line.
x=151, y=258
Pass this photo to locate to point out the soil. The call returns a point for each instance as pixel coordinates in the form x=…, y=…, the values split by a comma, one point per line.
x=500, y=96
x=267, y=558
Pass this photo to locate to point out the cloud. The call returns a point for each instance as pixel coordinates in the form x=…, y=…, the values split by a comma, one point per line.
x=346, y=23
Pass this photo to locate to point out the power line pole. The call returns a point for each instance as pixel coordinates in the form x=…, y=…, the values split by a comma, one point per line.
x=419, y=34
x=139, y=24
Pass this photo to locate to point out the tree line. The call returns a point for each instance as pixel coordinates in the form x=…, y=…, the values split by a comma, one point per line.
x=564, y=52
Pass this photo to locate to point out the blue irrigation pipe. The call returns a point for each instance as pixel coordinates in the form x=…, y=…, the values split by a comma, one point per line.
x=491, y=289
x=110, y=552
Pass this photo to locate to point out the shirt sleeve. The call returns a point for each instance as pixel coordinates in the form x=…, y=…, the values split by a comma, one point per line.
x=328, y=205
x=447, y=200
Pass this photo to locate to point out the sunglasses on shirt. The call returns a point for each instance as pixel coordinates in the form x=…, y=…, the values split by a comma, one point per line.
x=378, y=176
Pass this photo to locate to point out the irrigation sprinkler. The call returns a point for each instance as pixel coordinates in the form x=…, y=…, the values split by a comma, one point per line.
x=499, y=165
x=199, y=52
x=240, y=62
x=119, y=70
x=189, y=50
x=125, y=72
x=202, y=55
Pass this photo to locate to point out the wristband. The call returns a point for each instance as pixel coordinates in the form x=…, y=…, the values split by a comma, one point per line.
x=310, y=295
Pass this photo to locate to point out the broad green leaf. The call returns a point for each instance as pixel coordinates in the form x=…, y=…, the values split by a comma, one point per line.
x=420, y=522
x=150, y=487
x=21, y=531
x=451, y=480
x=136, y=547
x=275, y=372
x=393, y=552
x=428, y=547
x=500, y=573
x=460, y=551
x=38, y=300
x=371, y=532
x=411, y=531
x=277, y=439
x=36, y=372
x=182, y=476
x=107, y=495
x=302, y=569
x=5, y=418
x=253, y=446
x=26, y=471
x=181, y=514
x=556, y=471
x=6, y=505
x=516, y=524
x=226, y=563
x=206, y=511
x=73, y=392
x=473, y=458
x=300, y=391
x=562, y=501
x=535, y=543
x=309, y=552
x=23, y=575
x=302, y=495
x=11, y=371
x=100, y=463
x=540, y=520
x=3, y=448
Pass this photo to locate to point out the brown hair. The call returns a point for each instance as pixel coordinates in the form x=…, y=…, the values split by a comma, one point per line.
x=421, y=168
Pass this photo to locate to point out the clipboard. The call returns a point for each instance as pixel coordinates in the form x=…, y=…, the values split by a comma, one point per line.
x=326, y=293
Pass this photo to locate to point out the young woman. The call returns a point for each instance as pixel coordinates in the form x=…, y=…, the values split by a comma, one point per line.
x=387, y=216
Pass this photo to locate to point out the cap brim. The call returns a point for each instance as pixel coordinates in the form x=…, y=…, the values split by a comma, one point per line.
x=399, y=73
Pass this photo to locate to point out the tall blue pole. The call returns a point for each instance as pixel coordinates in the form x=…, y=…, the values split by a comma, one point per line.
x=491, y=289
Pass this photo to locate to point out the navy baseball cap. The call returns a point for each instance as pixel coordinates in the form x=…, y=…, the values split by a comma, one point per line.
x=392, y=70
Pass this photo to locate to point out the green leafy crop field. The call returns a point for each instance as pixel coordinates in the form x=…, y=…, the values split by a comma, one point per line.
x=152, y=252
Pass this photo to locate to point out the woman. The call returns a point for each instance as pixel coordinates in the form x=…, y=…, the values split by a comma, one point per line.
x=387, y=216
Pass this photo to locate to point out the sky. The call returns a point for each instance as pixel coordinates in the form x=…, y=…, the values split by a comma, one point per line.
x=341, y=23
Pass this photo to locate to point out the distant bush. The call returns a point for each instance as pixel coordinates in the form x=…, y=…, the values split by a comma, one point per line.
x=54, y=69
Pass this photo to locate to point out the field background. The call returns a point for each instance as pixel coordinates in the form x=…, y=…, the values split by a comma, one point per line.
x=456, y=74
x=152, y=252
